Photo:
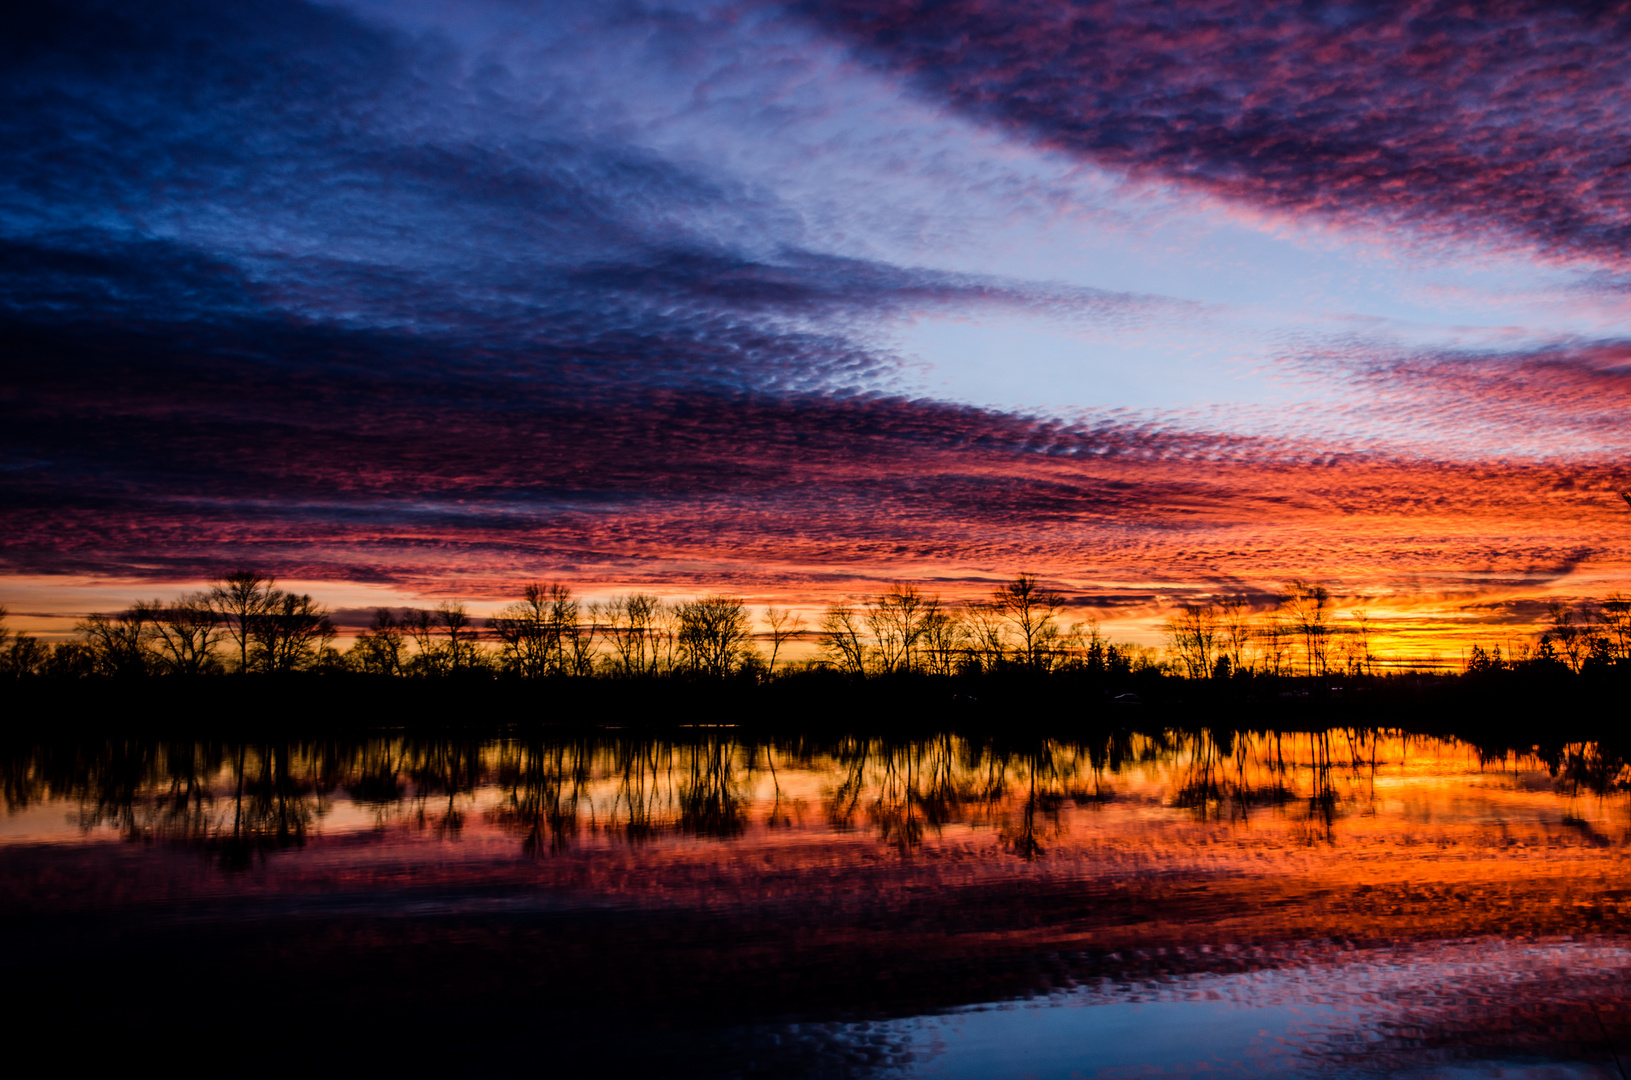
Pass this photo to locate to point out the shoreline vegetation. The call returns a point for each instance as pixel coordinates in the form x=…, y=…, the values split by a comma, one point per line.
x=901, y=659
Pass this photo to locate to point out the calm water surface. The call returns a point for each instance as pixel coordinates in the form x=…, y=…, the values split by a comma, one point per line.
x=1156, y=903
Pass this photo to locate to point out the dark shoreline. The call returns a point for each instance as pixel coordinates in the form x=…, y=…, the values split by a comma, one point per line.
x=1519, y=709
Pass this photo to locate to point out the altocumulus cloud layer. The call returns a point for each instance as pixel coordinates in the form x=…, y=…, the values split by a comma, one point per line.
x=1505, y=117
x=451, y=298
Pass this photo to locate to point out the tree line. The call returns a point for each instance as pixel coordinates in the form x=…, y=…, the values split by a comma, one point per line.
x=245, y=623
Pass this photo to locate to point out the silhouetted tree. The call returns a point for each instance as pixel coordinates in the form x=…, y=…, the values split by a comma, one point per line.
x=573, y=643
x=784, y=626
x=945, y=640
x=1309, y=607
x=543, y=633
x=841, y=640
x=1616, y=624
x=522, y=630
x=24, y=656
x=379, y=649
x=896, y=621
x=1236, y=632
x=1192, y=637
x=715, y=637
x=1032, y=610
x=239, y=600
x=1363, y=660
x=634, y=625
x=1274, y=644
x=290, y=635
x=69, y=660
x=1084, y=647
x=421, y=626
x=21, y=655
x=185, y=633
x=117, y=643
x=1571, y=631
x=460, y=650
x=987, y=634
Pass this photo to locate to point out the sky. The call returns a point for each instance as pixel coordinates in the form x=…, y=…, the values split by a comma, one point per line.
x=410, y=301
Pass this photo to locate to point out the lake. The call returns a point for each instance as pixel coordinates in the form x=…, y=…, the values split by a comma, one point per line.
x=712, y=902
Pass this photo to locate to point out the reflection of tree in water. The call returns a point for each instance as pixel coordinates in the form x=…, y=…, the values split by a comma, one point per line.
x=1228, y=775
x=900, y=805
x=271, y=806
x=446, y=770
x=711, y=800
x=173, y=792
x=1322, y=793
x=905, y=789
x=150, y=791
x=542, y=785
x=640, y=805
x=241, y=799
x=782, y=810
x=1044, y=795
x=1202, y=789
x=376, y=778
x=1590, y=766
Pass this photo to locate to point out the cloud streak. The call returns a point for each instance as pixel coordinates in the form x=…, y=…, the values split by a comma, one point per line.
x=1505, y=122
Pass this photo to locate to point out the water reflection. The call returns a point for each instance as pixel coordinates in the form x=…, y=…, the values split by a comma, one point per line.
x=550, y=792
x=838, y=906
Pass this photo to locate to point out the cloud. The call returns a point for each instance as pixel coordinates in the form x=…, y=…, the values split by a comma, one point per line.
x=317, y=453
x=1505, y=123
x=1562, y=400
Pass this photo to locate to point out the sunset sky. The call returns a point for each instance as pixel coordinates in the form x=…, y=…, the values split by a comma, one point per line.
x=408, y=300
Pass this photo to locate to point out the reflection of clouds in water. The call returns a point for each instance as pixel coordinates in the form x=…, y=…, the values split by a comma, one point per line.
x=1520, y=1008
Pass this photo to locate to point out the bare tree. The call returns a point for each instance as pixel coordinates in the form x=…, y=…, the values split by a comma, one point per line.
x=1083, y=647
x=522, y=629
x=574, y=643
x=21, y=655
x=715, y=637
x=185, y=633
x=784, y=626
x=460, y=649
x=26, y=656
x=1616, y=614
x=633, y=627
x=1192, y=637
x=1236, y=632
x=896, y=621
x=543, y=633
x=1362, y=631
x=841, y=639
x=1274, y=643
x=239, y=600
x=1309, y=607
x=379, y=649
x=421, y=625
x=117, y=643
x=1032, y=610
x=291, y=635
x=987, y=634
x=1571, y=632
x=945, y=640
